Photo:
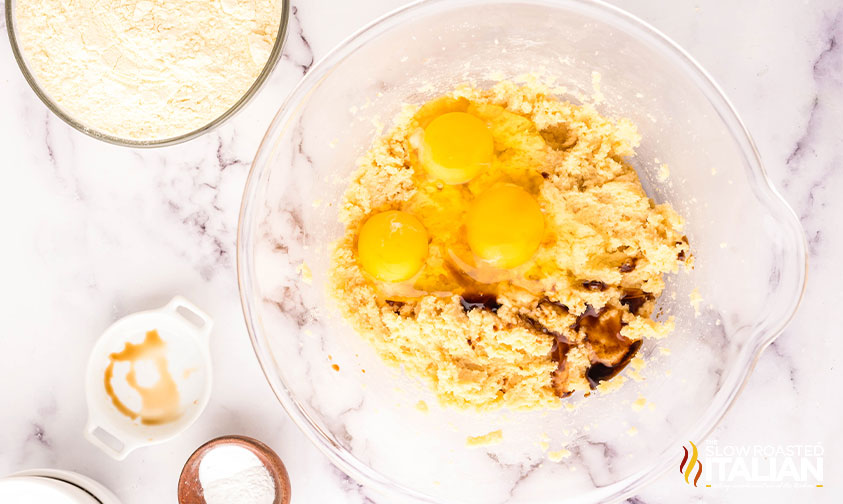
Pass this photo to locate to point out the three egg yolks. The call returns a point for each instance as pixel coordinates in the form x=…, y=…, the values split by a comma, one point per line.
x=504, y=224
x=456, y=147
x=392, y=246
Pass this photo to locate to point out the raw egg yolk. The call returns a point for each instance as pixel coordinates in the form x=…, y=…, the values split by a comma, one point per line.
x=392, y=246
x=457, y=146
x=504, y=226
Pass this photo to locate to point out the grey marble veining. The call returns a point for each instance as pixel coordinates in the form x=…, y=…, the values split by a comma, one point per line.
x=93, y=232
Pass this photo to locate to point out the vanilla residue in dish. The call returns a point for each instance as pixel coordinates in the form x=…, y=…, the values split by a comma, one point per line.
x=158, y=392
x=146, y=69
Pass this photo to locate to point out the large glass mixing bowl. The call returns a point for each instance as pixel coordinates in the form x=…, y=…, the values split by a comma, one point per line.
x=749, y=248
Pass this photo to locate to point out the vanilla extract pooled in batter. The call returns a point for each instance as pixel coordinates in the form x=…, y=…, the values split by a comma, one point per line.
x=483, y=301
x=634, y=299
x=608, y=350
x=600, y=372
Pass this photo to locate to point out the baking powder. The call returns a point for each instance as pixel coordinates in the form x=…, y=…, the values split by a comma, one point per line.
x=146, y=69
x=231, y=474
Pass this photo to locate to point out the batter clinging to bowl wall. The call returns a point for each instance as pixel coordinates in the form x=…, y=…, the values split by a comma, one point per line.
x=498, y=245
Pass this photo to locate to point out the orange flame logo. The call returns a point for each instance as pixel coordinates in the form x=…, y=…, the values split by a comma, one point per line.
x=687, y=466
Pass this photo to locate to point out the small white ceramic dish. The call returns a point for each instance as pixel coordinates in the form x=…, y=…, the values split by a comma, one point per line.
x=185, y=330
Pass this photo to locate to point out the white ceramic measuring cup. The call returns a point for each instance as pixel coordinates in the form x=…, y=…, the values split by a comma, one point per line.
x=185, y=329
x=24, y=489
x=55, y=486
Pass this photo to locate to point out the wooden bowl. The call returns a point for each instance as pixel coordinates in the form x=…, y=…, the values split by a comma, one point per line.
x=190, y=489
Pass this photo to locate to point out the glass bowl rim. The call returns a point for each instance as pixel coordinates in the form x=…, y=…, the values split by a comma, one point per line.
x=763, y=332
x=269, y=66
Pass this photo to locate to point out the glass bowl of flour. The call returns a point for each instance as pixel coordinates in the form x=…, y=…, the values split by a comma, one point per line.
x=143, y=73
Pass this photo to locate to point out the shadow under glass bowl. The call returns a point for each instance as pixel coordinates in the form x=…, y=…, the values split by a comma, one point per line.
x=274, y=56
x=748, y=244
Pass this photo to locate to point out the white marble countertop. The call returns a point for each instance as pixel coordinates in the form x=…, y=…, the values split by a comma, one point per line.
x=93, y=232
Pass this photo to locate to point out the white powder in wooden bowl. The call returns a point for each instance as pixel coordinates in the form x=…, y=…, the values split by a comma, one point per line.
x=231, y=474
x=146, y=69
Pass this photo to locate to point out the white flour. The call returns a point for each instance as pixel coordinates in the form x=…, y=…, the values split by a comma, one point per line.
x=146, y=69
x=231, y=474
